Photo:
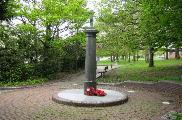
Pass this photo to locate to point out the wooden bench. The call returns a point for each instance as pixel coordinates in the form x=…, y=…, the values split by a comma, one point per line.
x=106, y=68
x=103, y=71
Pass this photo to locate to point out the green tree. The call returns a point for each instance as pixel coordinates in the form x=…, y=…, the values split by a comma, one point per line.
x=141, y=24
x=160, y=23
x=119, y=23
x=34, y=47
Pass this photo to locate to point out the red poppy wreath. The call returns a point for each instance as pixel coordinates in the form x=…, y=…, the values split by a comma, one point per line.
x=94, y=92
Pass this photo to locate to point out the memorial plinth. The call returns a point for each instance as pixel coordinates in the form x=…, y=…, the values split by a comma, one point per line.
x=76, y=97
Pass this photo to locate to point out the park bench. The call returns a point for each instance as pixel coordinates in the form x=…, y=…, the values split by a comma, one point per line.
x=103, y=71
x=106, y=68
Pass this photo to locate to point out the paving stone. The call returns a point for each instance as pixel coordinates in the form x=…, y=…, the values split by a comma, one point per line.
x=36, y=103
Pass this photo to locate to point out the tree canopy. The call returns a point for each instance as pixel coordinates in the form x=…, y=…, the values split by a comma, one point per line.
x=130, y=26
x=34, y=47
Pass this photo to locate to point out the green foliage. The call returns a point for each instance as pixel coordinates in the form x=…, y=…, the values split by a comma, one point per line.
x=8, y=9
x=178, y=116
x=34, y=48
x=118, y=25
x=24, y=83
x=131, y=26
x=74, y=57
x=174, y=116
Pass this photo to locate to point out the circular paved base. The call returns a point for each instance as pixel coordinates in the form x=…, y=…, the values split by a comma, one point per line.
x=77, y=97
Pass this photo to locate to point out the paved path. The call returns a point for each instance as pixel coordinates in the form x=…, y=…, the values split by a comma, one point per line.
x=145, y=103
x=20, y=104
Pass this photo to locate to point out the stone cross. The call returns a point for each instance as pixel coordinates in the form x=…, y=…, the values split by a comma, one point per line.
x=91, y=21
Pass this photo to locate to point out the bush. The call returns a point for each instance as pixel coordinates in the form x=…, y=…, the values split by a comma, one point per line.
x=24, y=61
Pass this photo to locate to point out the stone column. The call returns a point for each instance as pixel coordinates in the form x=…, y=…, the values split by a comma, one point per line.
x=90, y=61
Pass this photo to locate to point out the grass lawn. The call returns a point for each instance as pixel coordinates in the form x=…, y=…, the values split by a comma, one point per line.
x=139, y=71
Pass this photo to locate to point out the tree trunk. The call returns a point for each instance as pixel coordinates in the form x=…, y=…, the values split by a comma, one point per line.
x=46, y=43
x=167, y=57
x=48, y=32
x=36, y=52
x=137, y=56
x=151, y=57
x=125, y=57
x=129, y=59
x=134, y=57
x=111, y=58
x=114, y=57
x=177, y=56
x=117, y=57
x=146, y=56
x=166, y=53
x=122, y=57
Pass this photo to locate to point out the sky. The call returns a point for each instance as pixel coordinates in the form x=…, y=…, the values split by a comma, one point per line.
x=93, y=5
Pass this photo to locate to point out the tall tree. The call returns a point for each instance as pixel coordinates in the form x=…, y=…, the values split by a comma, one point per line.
x=119, y=22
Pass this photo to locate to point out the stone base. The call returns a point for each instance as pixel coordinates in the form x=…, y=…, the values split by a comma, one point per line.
x=76, y=97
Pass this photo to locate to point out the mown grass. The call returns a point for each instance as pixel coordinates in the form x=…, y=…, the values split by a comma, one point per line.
x=139, y=71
